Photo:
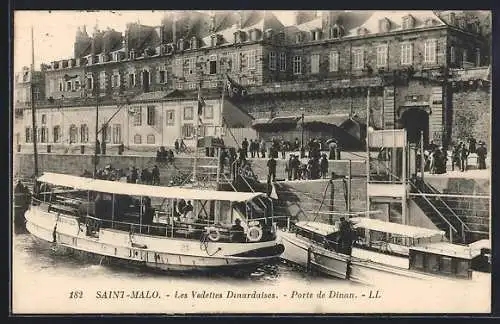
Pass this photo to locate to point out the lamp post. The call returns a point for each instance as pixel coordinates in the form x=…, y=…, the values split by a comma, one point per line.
x=302, y=150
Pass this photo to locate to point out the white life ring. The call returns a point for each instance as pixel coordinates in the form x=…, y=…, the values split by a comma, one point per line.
x=254, y=234
x=213, y=234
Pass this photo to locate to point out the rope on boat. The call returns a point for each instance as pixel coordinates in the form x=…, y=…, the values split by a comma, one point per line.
x=204, y=241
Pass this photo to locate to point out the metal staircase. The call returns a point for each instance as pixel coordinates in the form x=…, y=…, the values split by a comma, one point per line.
x=438, y=211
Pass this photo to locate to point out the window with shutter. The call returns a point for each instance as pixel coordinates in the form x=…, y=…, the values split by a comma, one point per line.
x=117, y=133
x=382, y=56
x=358, y=62
x=170, y=117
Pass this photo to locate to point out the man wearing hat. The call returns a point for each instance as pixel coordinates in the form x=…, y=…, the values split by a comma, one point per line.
x=481, y=155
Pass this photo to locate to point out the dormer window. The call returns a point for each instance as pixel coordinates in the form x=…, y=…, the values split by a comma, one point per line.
x=254, y=34
x=408, y=22
x=384, y=25
x=239, y=36
x=102, y=58
x=316, y=34
x=451, y=19
x=298, y=38
x=194, y=42
x=362, y=31
x=461, y=24
x=430, y=22
x=336, y=32
x=180, y=44
x=269, y=34
x=132, y=55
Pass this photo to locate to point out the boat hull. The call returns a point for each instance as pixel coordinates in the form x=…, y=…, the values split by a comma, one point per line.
x=161, y=253
x=308, y=255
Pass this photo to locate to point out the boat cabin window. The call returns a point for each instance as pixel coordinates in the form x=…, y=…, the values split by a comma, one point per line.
x=437, y=263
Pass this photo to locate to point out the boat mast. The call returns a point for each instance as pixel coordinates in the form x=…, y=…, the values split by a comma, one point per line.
x=33, y=112
x=96, y=127
x=367, y=151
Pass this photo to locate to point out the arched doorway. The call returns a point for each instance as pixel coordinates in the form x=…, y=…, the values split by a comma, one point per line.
x=415, y=120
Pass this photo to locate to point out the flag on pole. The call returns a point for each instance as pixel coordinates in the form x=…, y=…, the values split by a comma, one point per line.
x=233, y=88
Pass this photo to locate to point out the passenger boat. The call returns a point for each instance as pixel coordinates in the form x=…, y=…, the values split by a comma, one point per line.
x=381, y=251
x=117, y=220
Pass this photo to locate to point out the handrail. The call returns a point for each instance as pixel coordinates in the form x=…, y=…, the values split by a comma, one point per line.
x=425, y=198
x=447, y=206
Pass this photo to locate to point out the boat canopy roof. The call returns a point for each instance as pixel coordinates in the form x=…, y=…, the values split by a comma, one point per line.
x=122, y=188
x=448, y=249
x=317, y=227
x=394, y=228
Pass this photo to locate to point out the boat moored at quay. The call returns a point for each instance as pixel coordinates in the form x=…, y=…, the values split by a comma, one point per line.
x=188, y=229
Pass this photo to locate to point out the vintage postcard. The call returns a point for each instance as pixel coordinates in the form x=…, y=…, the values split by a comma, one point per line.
x=242, y=161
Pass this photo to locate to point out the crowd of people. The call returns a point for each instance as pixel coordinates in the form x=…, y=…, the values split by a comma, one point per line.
x=144, y=176
x=278, y=147
x=436, y=157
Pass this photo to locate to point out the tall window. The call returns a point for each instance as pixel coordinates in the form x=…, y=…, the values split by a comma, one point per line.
x=73, y=134
x=102, y=80
x=188, y=113
x=315, y=63
x=90, y=82
x=213, y=64
x=43, y=134
x=187, y=130
x=116, y=80
x=453, y=55
x=282, y=61
x=27, y=135
x=430, y=51
x=131, y=80
x=208, y=112
x=56, y=134
x=192, y=65
x=117, y=133
x=272, y=61
x=406, y=53
x=151, y=115
x=170, y=117
x=137, y=116
x=234, y=62
x=44, y=119
x=334, y=61
x=358, y=59
x=68, y=86
x=84, y=133
x=251, y=58
x=106, y=133
x=297, y=65
x=382, y=55
x=162, y=75
x=179, y=70
x=76, y=85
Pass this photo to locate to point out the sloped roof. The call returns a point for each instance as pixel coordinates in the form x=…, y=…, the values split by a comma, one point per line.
x=155, y=95
x=333, y=119
x=261, y=20
x=396, y=18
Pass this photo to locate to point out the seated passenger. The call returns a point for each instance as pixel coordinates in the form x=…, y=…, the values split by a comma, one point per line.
x=237, y=232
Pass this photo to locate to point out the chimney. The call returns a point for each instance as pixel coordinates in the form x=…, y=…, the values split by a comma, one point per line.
x=174, y=29
x=212, y=22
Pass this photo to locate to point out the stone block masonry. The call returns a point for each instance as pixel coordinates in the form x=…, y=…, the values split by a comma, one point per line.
x=471, y=115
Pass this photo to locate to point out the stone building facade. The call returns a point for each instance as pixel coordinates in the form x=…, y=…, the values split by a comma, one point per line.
x=402, y=64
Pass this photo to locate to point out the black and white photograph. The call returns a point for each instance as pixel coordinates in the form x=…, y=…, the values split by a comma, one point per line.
x=251, y=161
